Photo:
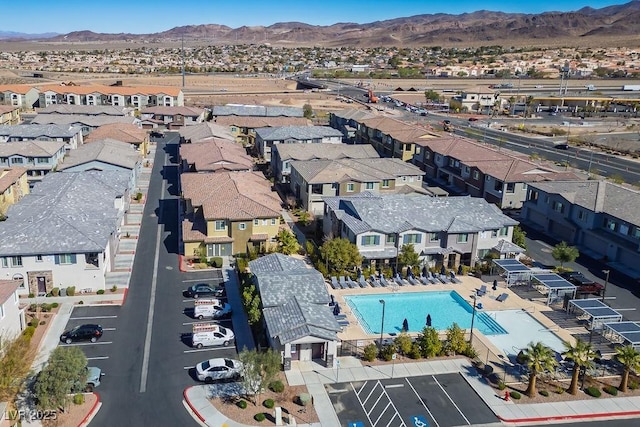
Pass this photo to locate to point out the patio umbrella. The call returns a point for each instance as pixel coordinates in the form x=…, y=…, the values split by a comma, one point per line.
x=336, y=310
x=405, y=325
x=409, y=272
x=333, y=300
x=394, y=271
x=495, y=285
x=428, y=320
x=460, y=270
x=424, y=271
x=359, y=272
x=443, y=270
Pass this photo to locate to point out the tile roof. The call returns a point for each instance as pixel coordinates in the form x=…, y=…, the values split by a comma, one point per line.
x=194, y=228
x=172, y=111
x=400, y=212
x=231, y=195
x=256, y=110
x=253, y=122
x=131, y=134
x=282, y=133
x=37, y=131
x=9, y=176
x=110, y=151
x=17, y=88
x=7, y=289
x=109, y=90
x=205, y=130
x=84, y=110
x=295, y=319
x=360, y=170
x=79, y=120
x=8, y=108
x=65, y=213
x=32, y=148
x=304, y=151
x=214, y=154
x=598, y=196
x=354, y=114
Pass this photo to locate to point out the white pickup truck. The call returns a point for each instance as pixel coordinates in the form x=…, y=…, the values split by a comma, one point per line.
x=209, y=334
x=213, y=308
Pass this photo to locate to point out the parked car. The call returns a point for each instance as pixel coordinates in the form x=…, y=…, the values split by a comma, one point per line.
x=584, y=284
x=213, y=308
x=210, y=334
x=82, y=333
x=218, y=369
x=204, y=289
x=473, y=119
x=94, y=374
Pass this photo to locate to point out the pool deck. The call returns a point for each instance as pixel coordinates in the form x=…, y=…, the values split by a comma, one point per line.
x=467, y=289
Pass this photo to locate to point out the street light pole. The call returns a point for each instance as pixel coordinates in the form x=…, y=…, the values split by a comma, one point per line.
x=382, y=324
x=473, y=318
x=606, y=282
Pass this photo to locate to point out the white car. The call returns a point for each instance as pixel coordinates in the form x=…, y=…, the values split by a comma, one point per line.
x=218, y=369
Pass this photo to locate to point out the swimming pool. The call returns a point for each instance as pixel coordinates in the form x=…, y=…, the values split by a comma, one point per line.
x=445, y=308
x=522, y=328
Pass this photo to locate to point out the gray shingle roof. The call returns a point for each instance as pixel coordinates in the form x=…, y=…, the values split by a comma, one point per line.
x=276, y=263
x=361, y=170
x=281, y=133
x=325, y=151
x=205, y=130
x=396, y=213
x=79, y=120
x=32, y=148
x=35, y=131
x=87, y=110
x=256, y=110
x=294, y=320
x=65, y=213
x=109, y=151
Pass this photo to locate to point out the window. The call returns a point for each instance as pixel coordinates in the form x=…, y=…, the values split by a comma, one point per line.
x=256, y=222
x=582, y=215
x=624, y=229
x=385, y=183
x=242, y=226
x=511, y=187
x=220, y=225
x=265, y=222
x=38, y=258
x=316, y=188
x=463, y=238
x=65, y=259
x=487, y=178
x=273, y=221
x=5, y=262
x=558, y=207
x=411, y=238
x=466, y=170
x=451, y=162
x=504, y=231
x=636, y=234
x=91, y=259
x=611, y=225
x=370, y=240
x=494, y=233
x=391, y=239
x=1, y=311
x=369, y=185
x=16, y=261
x=434, y=237
x=476, y=175
x=17, y=160
x=427, y=155
x=534, y=195
x=350, y=188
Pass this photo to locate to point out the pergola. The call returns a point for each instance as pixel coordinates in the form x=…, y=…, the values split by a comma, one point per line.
x=515, y=270
x=555, y=286
x=624, y=332
x=596, y=312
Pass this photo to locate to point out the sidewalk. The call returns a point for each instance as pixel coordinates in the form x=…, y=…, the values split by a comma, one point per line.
x=315, y=376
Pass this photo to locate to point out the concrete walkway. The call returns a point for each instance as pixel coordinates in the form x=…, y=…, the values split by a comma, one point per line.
x=315, y=376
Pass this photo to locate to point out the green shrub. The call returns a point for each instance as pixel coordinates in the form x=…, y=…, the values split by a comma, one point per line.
x=29, y=331
x=114, y=288
x=560, y=390
x=515, y=395
x=100, y=291
x=138, y=196
x=259, y=417
x=633, y=385
x=44, y=307
x=501, y=385
x=370, y=352
x=469, y=351
x=31, y=295
x=403, y=343
x=71, y=291
x=78, y=399
x=55, y=292
x=387, y=352
x=304, y=399
x=415, y=352
x=276, y=386
x=593, y=391
x=34, y=322
x=269, y=403
x=242, y=404
x=610, y=390
x=33, y=307
x=42, y=322
x=54, y=305
x=81, y=302
x=216, y=262
x=544, y=393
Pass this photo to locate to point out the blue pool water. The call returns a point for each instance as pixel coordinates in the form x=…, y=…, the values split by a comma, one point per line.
x=445, y=308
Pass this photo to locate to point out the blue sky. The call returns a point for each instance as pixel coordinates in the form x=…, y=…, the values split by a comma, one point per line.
x=146, y=16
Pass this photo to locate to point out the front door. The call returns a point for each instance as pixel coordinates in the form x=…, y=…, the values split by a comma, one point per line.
x=317, y=351
x=42, y=285
x=295, y=352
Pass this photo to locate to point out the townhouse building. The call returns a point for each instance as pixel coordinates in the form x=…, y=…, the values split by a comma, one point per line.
x=71, y=136
x=478, y=99
x=348, y=121
x=25, y=97
x=137, y=97
x=41, y=249
x=203, y=131
x=227, y=213
x=37, y=157
x=255, y=111
x=283, y=154
x=243, y=128
x=171, y=117
x=266, y=138
x=12, y=318
x=13, y=187
x=9, y=115
x=599, y=217
x=132, y=134
x=445, y=231
x=464, y=166
x=312, y=180
x=87, y=123
x=85, y=110
x=213, y=155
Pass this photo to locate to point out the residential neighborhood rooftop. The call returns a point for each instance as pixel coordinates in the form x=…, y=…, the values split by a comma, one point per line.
x=35, y=131
x=256, y=110
x=258, y=122
x=32, y=148
x=129, y=133
x=361, y=170
x=283, y=133
x=303, y=151
x=85, y=110
x=205, y=130
x=214, y=154
x=8, y=176
x=111, y=151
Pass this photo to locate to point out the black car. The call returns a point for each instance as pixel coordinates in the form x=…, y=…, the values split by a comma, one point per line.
x=82, y=333
x=205, y=290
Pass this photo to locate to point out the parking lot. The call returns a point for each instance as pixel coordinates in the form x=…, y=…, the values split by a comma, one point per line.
x=105, y=316
x=192, y=356
x=431, y=400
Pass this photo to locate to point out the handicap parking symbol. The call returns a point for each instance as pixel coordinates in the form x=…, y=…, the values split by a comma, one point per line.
x=356, y=424
x=419, y=421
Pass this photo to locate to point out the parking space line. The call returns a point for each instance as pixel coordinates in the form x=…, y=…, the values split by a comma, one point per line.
x=98, y=358
x=372, y=389
x=450, y=399
x=206, y=349
x=383, y=412
x=358, y=397
x=202, y=280
x=423, y=404
x=362, y=388
x=374, y=405
x=108, y=329
x=394, y=406
x=93, y=317
x=186, y=368
x=87, y=343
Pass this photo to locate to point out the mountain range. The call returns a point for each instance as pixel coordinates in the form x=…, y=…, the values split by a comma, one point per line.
x=484, y=27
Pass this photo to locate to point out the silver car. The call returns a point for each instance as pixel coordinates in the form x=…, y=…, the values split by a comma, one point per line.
x=218, y=369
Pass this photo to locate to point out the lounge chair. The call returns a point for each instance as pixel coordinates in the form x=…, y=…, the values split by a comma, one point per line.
x=502, y=297
x=362, y=282
x=413, y=281
x=398, y=280
x=453, y=277
x=432, y=278
x=340, y=317
x=351, y=283
x=443, y=278
x=384, y=282
x=334, y=283
x=424, y=280
x=483, y=290
x=374, y=281
x=343, y=283
x=343, y=323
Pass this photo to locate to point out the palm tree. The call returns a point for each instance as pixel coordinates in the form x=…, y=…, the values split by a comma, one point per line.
x=630, y=359
x=581, y=354
x=539, y=358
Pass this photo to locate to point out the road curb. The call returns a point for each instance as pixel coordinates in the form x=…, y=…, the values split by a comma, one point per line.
x=180, y=265
x=191, y=409
x=570, y=417
x=92, y=413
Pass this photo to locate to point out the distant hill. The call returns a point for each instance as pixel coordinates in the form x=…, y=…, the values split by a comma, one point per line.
x=12, y=35
x=483, y=26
